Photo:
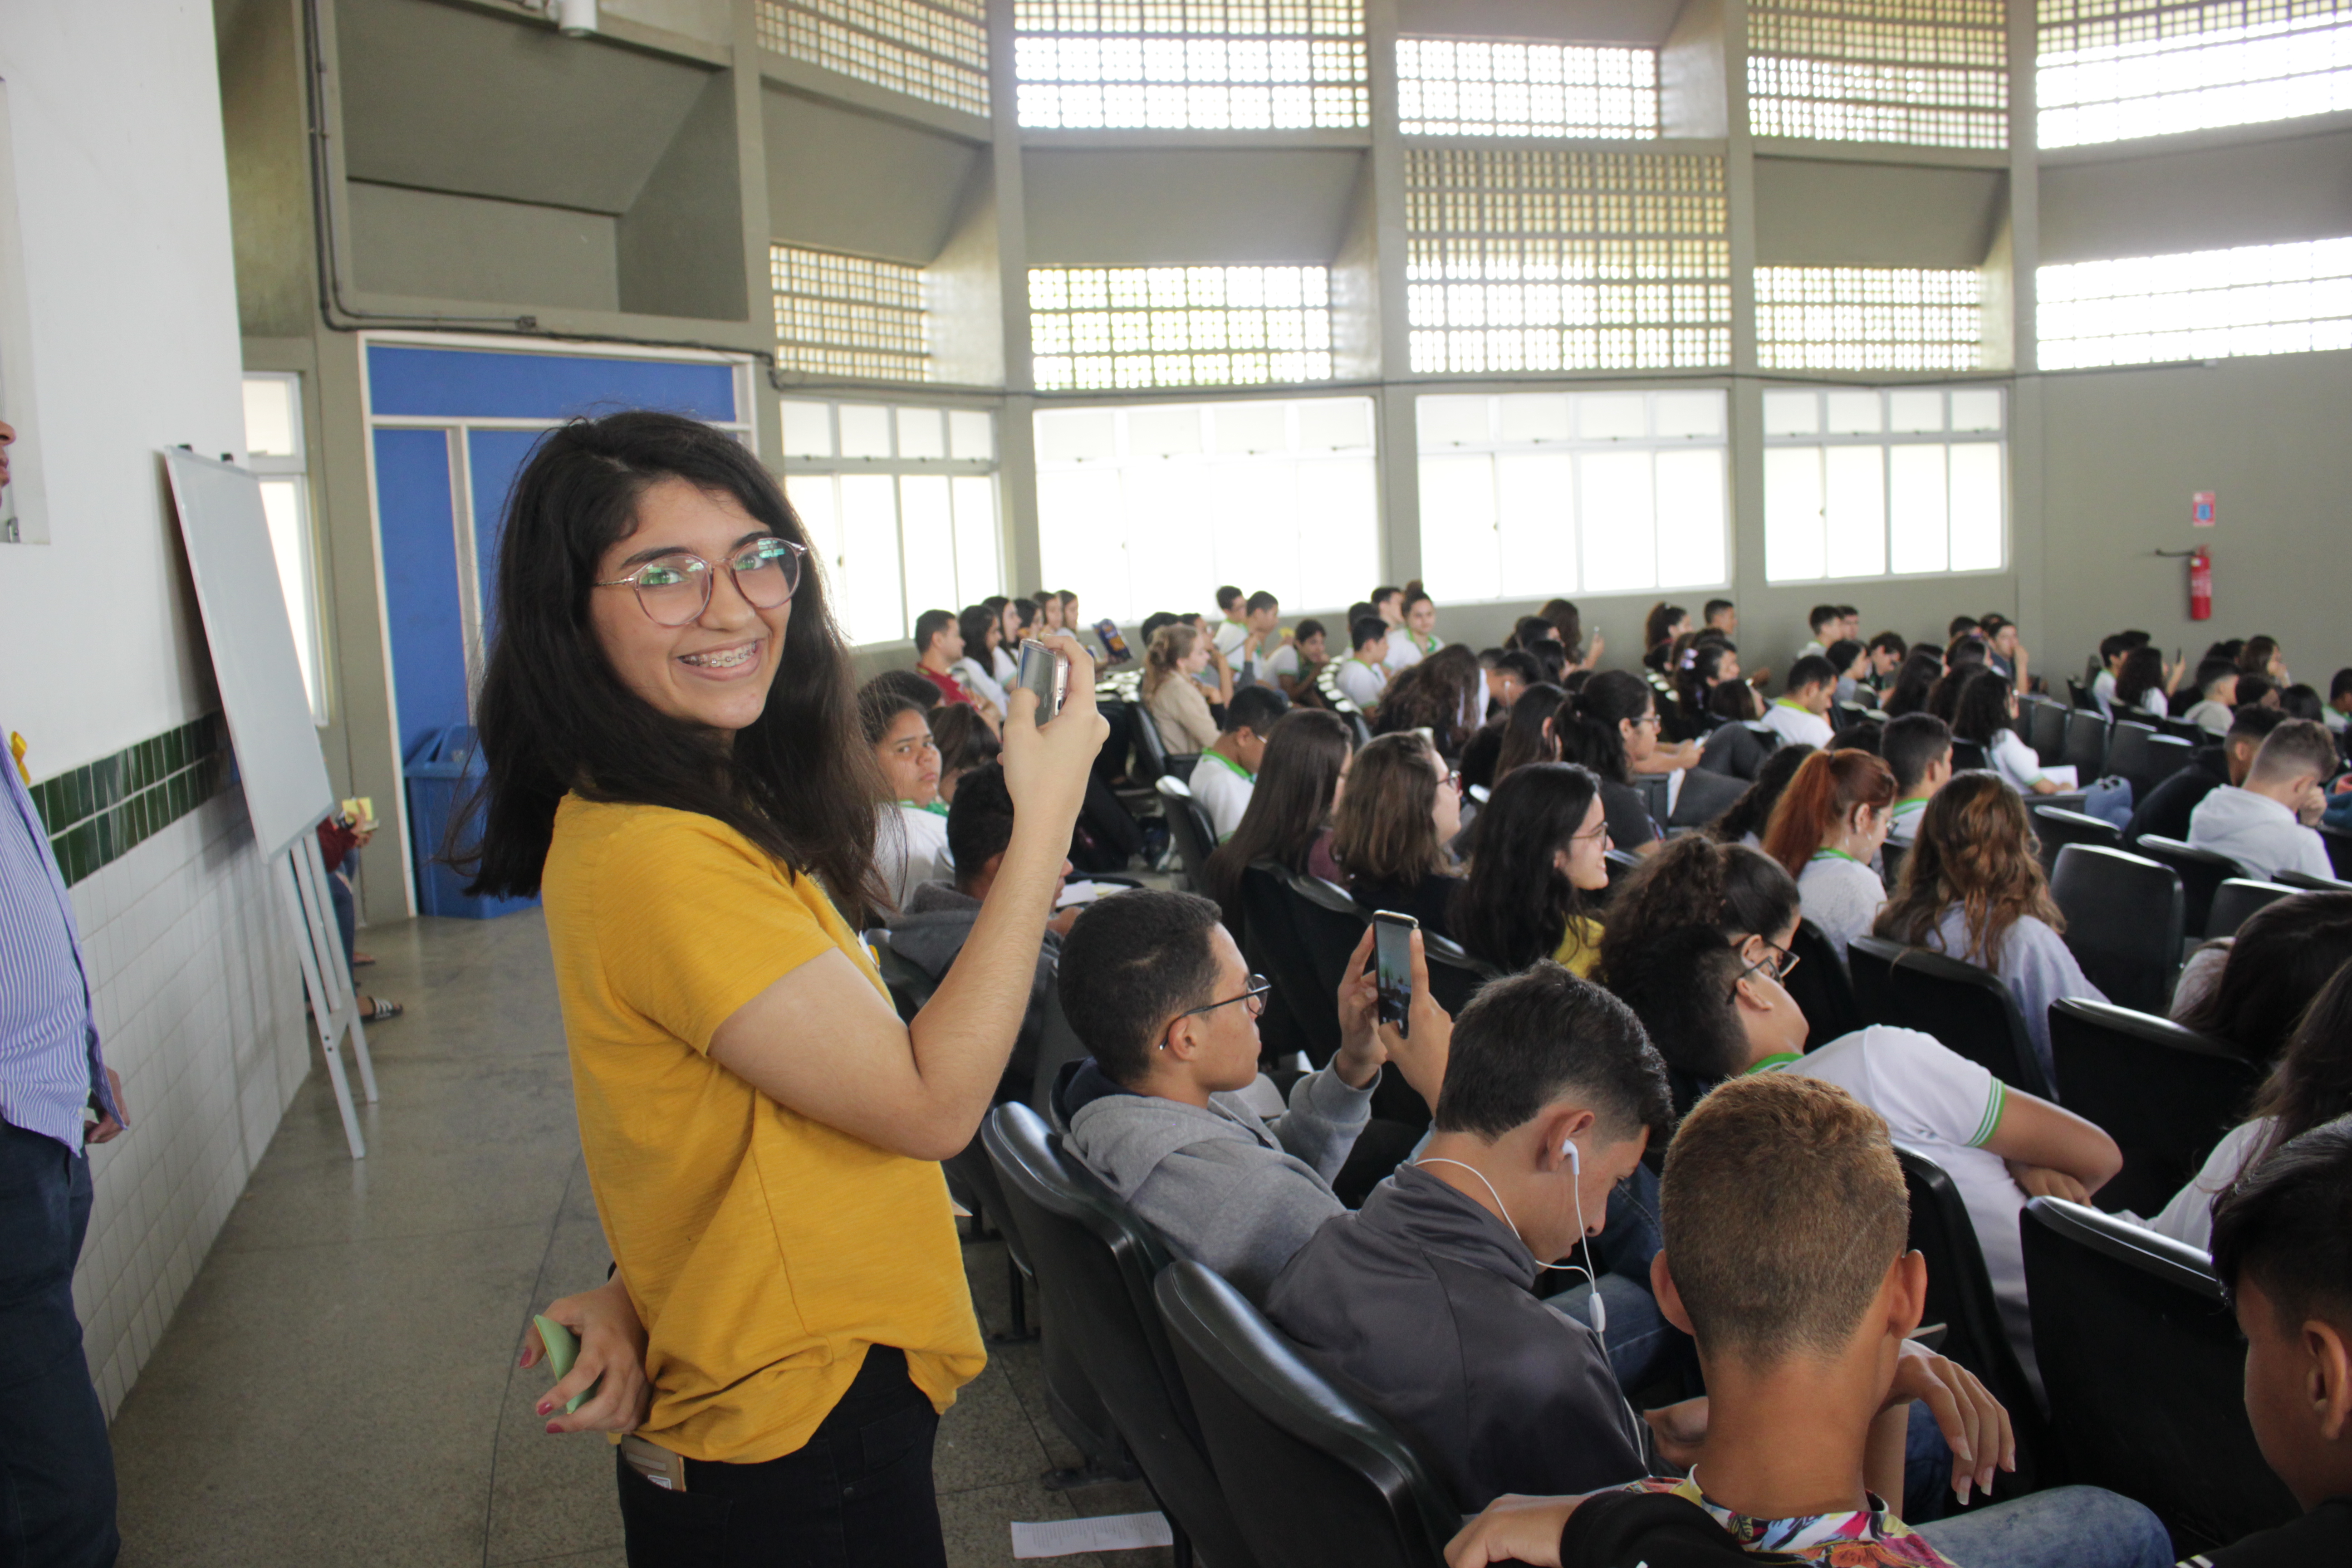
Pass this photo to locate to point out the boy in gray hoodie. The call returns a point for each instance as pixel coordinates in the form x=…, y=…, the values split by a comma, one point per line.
x=1156, y=988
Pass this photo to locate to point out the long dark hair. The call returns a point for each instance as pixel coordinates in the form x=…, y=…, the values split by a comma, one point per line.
x=1435, y=694
x=1306, y=752
x=1524, y=740
x=2142, y=672
x=1982, y=712
x=1696, y=680
x=1591, y=736
x=1736, y=891
x=554, y=717
x=1515, y=905
x=2277, y=963
x=1753, y=810
x=1568, y=621
x=2312, y=1082
x=1922, y=667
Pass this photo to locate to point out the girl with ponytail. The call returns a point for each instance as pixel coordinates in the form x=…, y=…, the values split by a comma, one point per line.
x=1611, y=725
x=1826, y=831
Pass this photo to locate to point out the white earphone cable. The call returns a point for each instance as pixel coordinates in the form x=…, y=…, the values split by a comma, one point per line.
x=1596, y=1311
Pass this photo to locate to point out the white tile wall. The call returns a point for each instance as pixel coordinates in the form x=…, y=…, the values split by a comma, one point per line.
x=199, y=1004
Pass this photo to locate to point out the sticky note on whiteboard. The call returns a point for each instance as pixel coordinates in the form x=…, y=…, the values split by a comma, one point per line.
x=2200, y=509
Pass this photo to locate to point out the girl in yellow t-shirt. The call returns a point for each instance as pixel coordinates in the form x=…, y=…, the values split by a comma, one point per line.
x=1536, y=846
x=675, y=763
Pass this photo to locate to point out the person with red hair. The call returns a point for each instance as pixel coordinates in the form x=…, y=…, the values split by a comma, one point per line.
x=1826, y=831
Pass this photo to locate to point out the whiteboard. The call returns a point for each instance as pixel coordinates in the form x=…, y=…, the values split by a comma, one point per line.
x=285, y=777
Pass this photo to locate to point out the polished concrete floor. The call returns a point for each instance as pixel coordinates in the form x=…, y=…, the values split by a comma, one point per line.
x=339, y=1386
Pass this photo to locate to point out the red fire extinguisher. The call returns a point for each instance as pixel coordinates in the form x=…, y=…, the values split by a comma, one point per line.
x=2200, y=585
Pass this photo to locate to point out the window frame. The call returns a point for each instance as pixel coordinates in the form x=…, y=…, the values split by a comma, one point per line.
x=293, y=471
x=1887, y=439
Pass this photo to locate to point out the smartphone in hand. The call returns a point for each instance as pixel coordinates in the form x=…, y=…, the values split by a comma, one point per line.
x=1115, y=648
x=1047, y=674
x=1392, y=967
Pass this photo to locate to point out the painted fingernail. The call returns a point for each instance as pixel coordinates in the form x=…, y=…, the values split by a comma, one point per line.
x=545, y=1406
x=554, y=1430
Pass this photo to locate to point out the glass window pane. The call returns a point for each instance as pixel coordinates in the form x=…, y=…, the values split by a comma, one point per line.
x=1077, y=435
x=1170, y=555
x=1612, y=415
x=1534, y=416
x=1976, y=409
x=1254, y=526
x=873, y=607
x=1691, y=518
x=1459, y=555
x=1535, y=520
x=1793, y=414
x=1335, y=424
x=1079, y=543
x=1977, y=508
x=273, y=416
x=1793, y=536
x=927, y=523
x=1855, y=413
x=971, y=434
x=808, y=429
x=921, y=433
x=979, y=569
x=1855, y=511
x=1338, y=533
x=818, y=504
x=864, y=431
x=1913, y=411
x=1918, y=501
x=289, y=542
x=1619, y=521
x=1163, y=432
x=1451, y=421
x=1251, y=426
x=1688, y=413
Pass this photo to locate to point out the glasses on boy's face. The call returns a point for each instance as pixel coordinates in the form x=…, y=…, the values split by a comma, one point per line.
x=674, y=589
x=1253, y=994
x=1777, y=962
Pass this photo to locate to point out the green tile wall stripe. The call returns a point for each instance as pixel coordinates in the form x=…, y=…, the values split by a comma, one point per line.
x=99, y=812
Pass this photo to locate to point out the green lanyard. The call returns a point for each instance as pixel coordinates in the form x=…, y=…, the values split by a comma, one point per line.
x=1773, y=1063
x=1828, y=854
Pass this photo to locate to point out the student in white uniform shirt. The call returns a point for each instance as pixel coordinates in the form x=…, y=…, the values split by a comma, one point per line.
x=1226, y=775
x=2139, y=685
x=1716, y=1010
x=1363, y=674
x=911, y=842
x=976, y=669
x=2264, y=825
x=1800, y=713
x=1918, y=750
x=1415, y=638
x=1828, y=623
x=1262, y=638
x=1826, y=831
x=2339, y=701
x=1231, y=631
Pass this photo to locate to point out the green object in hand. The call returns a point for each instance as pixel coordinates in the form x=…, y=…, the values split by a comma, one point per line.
x=562, y=1349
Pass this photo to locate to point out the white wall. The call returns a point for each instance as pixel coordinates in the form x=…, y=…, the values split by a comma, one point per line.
x=123, y=197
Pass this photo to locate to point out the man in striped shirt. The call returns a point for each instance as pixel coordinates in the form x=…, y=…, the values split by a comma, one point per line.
x=57, y=1093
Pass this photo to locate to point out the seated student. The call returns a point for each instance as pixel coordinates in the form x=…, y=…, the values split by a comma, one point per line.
x=1392, y=828
x=2301, y=702
x=1744, y=820
x=1706, y=666
x=1424, y=1302
x=1541, y=842
x=964, y=743
x=1919, y=748
x=1738, y=740
x=911, y=842
x=977, y=628
x=1004, y=662
x=1963, y=659
x=1530, y=731
x=2263, y=657
x=1800, y=713
x=2112, y=651
x=1889, y=649
x=1509, y=673
x=1231, y=630
x=1828, y=624
x=2170, y=806
x=2217, y=683
x=2247, y=991
x=938, y=916
x=2310, y=1084
x=2003, y=653
x=1295, y=665
x=1921, y=669
x=2339, y=700
x=1715, y=1015
x=1826, y=831
x=1173, y=698
x=1363, y=674
x=1660, y=628
x=1261, y=617
x=2279, y=1250
x=1227, y=771
x=1289, y=820
x=1610, y=726
x=939, y=644
x=1803, y=1300
x=1720, y=615
x=1415, y=637
x=1851, y=660
x=1960, y=626
x=1443, y=694
x=2256, y=688
x=1156, y=989
x=2265, y=825
x=1973, y=888
x=1986, y=715
x=2140, y=685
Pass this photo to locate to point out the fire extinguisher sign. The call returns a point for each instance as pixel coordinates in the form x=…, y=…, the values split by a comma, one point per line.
x=2200, y=509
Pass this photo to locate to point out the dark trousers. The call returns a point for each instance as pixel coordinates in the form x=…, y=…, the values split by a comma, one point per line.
x=57, y=1472
x=858, y=1493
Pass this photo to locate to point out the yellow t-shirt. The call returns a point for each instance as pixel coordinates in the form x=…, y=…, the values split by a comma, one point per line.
x=764, y=1251
x=1580, y=948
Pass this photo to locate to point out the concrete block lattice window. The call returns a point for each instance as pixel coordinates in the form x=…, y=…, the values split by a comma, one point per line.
x=1536, y=259
x=1529, y=494
x=1096, y=326
x=848, y=315
x=1876, y=482
x=2208, y=304
x=1190, y=65
x=900, y=506
x=1869, y=318
x=1924, y=72
x=274, y=450
x=1151, y=507
x=1448, y=87
x=2112, y=70
x=933, y=49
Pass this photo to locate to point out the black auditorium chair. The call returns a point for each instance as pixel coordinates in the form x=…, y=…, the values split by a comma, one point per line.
x=2339, y=849
x=2055, y=828
x=2124, y=923
x=1152, y=752
x=2167, y=755
x=2080, y=695
x=2127, y=754
x=2164, y=1093
x=2087, y=744
x=1453, y=975
x=1330, y=924
x=1057, y=1047
x=2182, y=729
x=1967, y=754
x=1891, y=857
x=1960, y=1296
x=1096, y=1261
x=2203, y=872
x=1189, y=826
x=1274, y=945
x=2145, y=1371
x=2238, y=900
x=1312, y=1474
x=1819, y=987
x=1967, y=1008
x=2045, y=728
x=2304, y=882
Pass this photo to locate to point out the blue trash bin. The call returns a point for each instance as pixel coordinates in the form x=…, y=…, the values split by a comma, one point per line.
x=443, y=776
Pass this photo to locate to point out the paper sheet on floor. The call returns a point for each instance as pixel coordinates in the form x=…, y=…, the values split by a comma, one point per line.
x=1104, y=1532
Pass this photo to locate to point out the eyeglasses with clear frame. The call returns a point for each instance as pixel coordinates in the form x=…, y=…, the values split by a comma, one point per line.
x=674, y=589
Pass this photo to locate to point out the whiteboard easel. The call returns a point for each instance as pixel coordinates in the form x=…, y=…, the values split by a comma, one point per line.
x=285, y=778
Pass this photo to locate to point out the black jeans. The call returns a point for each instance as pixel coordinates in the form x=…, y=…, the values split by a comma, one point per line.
x=57, y=1472
x=858, y=1493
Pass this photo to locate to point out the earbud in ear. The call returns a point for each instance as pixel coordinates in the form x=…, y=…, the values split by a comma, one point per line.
x=1575, y=1161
